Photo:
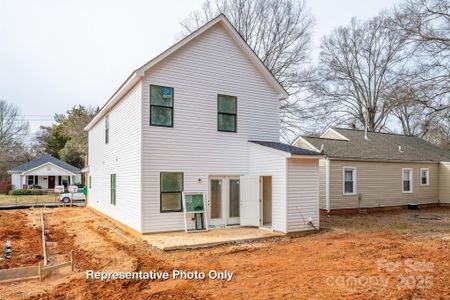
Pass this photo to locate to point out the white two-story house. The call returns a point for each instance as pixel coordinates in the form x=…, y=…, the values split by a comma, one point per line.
x=203, y=116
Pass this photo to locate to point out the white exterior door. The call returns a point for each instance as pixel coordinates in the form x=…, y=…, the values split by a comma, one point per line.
x=250, y=206
x=224, y=200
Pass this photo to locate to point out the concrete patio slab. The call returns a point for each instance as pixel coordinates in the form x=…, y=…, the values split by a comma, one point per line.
x=192, y=240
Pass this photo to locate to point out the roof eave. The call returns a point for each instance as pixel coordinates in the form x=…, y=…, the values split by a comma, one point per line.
x=131, y=81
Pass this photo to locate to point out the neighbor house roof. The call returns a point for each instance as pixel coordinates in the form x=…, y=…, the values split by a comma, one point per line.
x=44, y=159
x=377, y=146
x=286, y=148
x=139, y=73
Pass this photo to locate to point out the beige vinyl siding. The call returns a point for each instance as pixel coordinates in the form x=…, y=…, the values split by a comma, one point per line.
x=210, y=64
x=380, y=184
x=121, y=156
x=444, y=182
x=302, y=193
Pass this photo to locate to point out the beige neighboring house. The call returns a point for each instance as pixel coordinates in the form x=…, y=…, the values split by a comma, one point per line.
x=378, y=170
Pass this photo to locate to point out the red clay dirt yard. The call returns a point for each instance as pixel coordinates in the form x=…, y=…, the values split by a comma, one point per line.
x=401, y=254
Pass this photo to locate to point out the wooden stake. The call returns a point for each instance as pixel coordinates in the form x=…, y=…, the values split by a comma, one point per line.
x=71, y=260
x=41, y=270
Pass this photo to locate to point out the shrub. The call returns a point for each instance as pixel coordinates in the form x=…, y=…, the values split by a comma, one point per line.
x=36, y=192
x=21, y=192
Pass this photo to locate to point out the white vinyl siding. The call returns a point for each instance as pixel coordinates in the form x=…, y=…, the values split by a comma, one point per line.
x=267, y=162
x=122, y=156
x=302, y=194
x=211, y=64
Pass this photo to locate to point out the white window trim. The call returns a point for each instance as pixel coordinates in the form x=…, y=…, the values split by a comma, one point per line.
x=411, y=180
x=428, y=176
x=354, y=181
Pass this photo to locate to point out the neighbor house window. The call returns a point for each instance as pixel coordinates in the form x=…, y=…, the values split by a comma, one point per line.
x=161, y=106
x=425, y=176
x=106, y=129
x=407, y=180
x=171, y=187
x=226, y=113
x=113, y=189
x=30, y=180
x=349, y=181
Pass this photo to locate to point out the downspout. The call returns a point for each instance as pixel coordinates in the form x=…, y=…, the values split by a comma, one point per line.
x=327, y=185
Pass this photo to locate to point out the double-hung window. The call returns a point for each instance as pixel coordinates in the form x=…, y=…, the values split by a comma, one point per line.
x=407, y=180
x=425, y=176
x=113, y=189
x=106, y=129
x=226, y=113
x=171, y=187
x=161, y=106
x=349, y=181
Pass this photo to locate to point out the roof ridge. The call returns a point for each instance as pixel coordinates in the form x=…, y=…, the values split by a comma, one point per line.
x=374, y=132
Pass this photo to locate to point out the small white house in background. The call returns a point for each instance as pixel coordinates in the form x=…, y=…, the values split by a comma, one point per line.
x=45, y=172
x=203, y=116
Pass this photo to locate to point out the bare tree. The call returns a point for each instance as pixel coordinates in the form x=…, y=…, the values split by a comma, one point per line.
x=359, y=65
x=12, y=127
x=13, y=130
x=279, y=32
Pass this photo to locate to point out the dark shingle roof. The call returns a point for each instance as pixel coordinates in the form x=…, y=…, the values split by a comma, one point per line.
x=43, y=160
x=286, y=148
x=379, y=146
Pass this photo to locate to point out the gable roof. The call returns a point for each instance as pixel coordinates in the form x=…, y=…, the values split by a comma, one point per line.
x=44, y=159
x=139, y=73
x=286, y=148
x=379, y=146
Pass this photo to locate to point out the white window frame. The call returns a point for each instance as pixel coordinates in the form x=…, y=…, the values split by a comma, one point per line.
x=428, y=176
x=354, y=180
x=411, y=180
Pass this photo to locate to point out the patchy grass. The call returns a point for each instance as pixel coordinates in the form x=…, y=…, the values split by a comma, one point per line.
x=31, y=199
x=410, y=222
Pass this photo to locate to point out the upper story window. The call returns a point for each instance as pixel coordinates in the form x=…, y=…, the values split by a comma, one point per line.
x=107, y=129
x=407, y=180
x=349, y=181
x=226, y=113
x=425, y=176
x=161, y=106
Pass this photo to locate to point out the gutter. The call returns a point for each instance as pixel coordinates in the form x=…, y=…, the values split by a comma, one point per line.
x=327, y=184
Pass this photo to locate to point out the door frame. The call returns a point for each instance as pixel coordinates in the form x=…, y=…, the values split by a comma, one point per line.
x=54, y=182
x=225, y=205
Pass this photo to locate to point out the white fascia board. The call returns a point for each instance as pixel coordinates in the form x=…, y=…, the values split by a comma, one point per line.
x=140, y=72
x=305, y=156
x=337, y=133
x=115, y=98
x=44, y=164
x=300, y=138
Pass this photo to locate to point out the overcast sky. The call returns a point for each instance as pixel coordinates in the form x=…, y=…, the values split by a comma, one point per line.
x=58, y=53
